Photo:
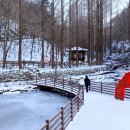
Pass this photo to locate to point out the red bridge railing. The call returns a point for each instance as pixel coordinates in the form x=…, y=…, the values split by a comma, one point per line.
x=107, y=88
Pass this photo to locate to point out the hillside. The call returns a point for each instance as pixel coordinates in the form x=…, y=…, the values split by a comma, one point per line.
x=28, y=47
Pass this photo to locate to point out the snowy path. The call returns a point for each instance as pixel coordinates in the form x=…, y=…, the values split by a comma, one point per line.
x=102, y=112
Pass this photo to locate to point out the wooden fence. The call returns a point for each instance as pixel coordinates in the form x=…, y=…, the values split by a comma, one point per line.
x=107, y=88
x=61, y=120
x=12, y=64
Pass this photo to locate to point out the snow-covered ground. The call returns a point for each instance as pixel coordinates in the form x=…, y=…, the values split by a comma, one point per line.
x=28, y=111
x=77, y=73
x=31, y=51
x=106, y=76
x=15, y=87
x=102, y=112
x=27, y=49
x=30, y=73
x=14, y=75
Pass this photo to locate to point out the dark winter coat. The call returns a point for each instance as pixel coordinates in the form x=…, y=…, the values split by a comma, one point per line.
x=87, y=81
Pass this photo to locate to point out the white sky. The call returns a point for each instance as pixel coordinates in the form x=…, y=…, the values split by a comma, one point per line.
x=121, y=4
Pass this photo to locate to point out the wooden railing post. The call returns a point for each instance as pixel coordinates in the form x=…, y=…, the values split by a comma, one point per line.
x=80, y=87
x=36, y=79
x=62, y=118
x=45, y=79
x=70, y=79
x=83, y=94
x=54, y=82
x=49, y=76
x=71, y=84
x=115, y=87
x=101, y=87
x=63, y=82
x=78, y=102
x=26, y=82
x=48, y=125
x=71, y=88
x=71, y=110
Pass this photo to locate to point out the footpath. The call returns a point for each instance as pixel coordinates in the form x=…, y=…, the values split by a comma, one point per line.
x=102, y=112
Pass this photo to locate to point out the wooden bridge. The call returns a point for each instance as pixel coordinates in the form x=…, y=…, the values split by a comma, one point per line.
x=68, y=87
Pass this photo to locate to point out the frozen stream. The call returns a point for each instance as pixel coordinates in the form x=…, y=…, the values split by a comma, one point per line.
x=28, y=111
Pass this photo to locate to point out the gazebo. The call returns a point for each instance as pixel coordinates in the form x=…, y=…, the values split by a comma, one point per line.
x=81, y=54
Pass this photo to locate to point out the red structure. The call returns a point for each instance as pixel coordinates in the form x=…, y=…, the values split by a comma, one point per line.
x=123, y=83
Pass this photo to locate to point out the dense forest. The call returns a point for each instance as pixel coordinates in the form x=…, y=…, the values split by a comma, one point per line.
x=90, y=24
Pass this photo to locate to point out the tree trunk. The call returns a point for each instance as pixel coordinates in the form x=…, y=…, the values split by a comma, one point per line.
x=110, y=44
x=42, y=12
x=4, y=52
x=53, y=34
x=97, y=42
x=62, y=31
x=33, y=42
x=92, y=34
x=101, y=31
x=70, y=34
x=129, y=21
x=89, y=32
x=20, y=36
x=77, y=33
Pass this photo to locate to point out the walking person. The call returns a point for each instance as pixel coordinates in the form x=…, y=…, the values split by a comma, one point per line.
x=87, y=82
x=81, y=81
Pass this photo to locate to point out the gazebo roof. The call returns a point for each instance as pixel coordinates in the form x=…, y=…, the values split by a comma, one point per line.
x=79, y=49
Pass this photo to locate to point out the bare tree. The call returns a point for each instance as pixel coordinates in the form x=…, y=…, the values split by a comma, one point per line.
x=129, y=21
x=77, y=32
x=89, y=31
x=43, y=11
x=70, y=33
x=52, y=32
x=20, y=35
x=110, y=44
x=7, y=34
x=62, y=32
